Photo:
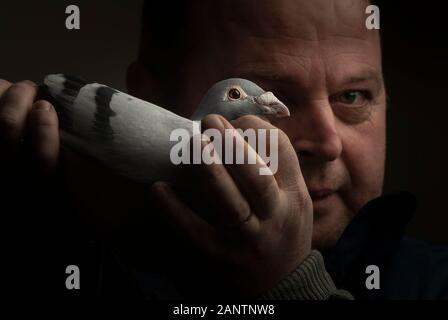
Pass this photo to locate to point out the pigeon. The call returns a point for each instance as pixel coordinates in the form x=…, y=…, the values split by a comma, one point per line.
x=131, y=136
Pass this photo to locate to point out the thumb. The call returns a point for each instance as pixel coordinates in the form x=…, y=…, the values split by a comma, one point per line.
x=44, y=135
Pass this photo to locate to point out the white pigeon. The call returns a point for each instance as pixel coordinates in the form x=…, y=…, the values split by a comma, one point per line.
x=132, y=136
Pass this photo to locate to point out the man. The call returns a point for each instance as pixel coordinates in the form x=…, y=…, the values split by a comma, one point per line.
x=261, y=235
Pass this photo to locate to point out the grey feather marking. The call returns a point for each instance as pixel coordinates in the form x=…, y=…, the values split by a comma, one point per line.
x=101, y=123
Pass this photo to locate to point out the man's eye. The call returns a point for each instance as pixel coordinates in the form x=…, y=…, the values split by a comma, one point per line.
x=353, y=98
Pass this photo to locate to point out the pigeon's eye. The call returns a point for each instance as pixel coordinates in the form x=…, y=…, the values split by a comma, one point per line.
x=234, y=94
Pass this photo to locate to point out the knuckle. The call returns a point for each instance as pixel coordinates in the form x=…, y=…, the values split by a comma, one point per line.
x=267, y=189
x=18, y=97
x=213, y=121
x=8, y=122
x=247, y=121
x=212, y=116
x=249, y=117
x=215, y=172
x=217, y=117
x=268, y=197
x=17, y=90
x=45, y=120
x=4, y=83
x=26, y=84
x=241, y=210
x=207, y=118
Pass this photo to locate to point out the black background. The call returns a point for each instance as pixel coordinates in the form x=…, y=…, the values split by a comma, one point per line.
x=34, y=42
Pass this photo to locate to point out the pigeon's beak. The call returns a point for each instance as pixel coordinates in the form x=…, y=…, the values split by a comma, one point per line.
x=270, y=105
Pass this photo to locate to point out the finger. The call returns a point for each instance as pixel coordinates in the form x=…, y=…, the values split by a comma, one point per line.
x=261, y=191
x=4, y=85
x=44, y=135
x=288, y=170
x=15, y=104
x=194, y=228
x=232, y=210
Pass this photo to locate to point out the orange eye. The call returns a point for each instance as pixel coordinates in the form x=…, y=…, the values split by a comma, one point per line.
x=234, y=94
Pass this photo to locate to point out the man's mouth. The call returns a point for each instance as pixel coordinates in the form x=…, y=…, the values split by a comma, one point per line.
x=320, y=194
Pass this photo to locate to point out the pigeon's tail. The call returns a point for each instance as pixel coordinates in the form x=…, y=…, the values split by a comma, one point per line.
x=61, y=90
x=78, y=102
x=83, y=112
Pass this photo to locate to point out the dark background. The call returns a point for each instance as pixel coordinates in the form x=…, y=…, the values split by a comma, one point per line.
x=34, y=42
x=415, y=62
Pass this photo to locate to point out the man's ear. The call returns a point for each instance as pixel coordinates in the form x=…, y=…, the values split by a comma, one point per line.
x=141, y=84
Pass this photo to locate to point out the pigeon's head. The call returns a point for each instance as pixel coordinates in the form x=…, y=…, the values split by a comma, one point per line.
x=233, y=98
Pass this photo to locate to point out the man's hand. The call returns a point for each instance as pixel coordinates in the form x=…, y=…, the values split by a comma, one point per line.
x=258, y=226
x=26, y=122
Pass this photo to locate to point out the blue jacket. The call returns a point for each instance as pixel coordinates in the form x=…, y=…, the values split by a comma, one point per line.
x=409, y=269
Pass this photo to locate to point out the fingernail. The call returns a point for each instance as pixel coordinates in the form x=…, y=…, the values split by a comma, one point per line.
x=42, y=106
x=159, y=188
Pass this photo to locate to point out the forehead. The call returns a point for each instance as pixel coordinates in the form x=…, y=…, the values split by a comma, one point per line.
x=305, y=19
x=248, y=34
x=291, y=18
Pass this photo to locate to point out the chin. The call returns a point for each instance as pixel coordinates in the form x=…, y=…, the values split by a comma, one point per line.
x=329, y=224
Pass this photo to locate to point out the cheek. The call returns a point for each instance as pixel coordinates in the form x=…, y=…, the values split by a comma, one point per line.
x=364, y=149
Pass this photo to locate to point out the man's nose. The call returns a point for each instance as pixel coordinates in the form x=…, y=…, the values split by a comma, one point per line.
x=312, y=131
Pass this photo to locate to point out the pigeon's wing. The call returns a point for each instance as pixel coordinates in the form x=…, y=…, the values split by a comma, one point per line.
x=127, y=134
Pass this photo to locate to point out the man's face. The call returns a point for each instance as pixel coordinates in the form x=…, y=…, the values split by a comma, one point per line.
x=321, y=61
